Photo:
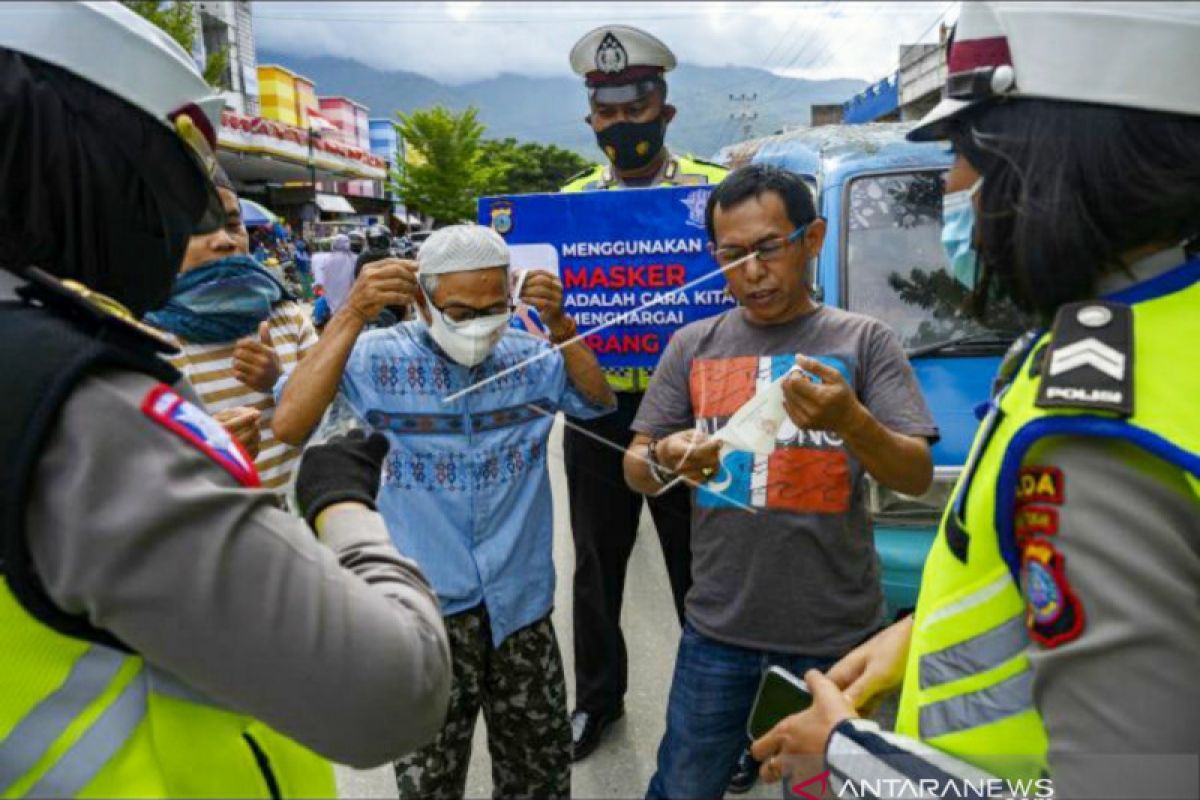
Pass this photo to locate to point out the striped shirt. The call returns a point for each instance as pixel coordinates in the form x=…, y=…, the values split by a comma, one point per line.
x=209, y=368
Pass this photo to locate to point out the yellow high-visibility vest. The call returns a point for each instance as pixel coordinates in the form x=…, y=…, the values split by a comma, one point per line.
x=968, y=686
x=81, y=719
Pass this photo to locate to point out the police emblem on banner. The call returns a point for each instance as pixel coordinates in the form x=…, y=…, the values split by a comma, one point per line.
x=502, y=217
x=610, y=55
x=696, y=202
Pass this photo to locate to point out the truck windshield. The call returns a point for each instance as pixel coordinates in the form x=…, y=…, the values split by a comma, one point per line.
x=896, y=268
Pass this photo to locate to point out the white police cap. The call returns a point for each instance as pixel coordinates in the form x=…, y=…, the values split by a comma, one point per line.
x=462, y=248
x=620, y=63
x=1134, y=55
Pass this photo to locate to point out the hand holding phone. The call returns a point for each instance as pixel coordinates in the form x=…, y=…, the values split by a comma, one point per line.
x=780, y=694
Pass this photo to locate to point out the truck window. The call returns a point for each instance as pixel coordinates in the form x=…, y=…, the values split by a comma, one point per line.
x=895, y=268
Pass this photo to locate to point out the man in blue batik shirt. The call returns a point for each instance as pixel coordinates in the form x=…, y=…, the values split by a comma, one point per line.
x=467, y=403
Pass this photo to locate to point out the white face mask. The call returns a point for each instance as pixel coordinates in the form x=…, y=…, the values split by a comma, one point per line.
x=754, y=427
x=469, y=342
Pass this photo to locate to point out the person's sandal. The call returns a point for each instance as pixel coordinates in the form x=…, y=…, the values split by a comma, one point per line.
x=745, y=774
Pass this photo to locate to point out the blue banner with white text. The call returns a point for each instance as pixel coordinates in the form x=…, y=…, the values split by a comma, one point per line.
x=634, y=263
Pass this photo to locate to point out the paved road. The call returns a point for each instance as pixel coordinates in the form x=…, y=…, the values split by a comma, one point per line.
x=622, y=767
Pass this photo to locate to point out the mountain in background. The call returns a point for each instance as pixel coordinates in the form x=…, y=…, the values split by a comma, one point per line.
x=551, y=110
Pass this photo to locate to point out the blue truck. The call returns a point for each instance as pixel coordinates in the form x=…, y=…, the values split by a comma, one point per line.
x=881, y=197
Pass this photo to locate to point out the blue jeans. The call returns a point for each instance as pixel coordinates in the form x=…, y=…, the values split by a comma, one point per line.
x=711, y=694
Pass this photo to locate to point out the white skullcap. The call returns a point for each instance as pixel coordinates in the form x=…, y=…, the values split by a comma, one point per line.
x=462, y=248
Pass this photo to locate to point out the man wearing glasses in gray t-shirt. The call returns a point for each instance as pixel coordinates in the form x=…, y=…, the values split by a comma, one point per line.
x=784, y=566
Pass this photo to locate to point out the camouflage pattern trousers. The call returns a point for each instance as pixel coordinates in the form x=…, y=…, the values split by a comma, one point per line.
x=521, y=690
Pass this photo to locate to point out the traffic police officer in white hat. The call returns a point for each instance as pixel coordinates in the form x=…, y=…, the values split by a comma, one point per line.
x=167, y=631
x=1057, y=631
x=624, y=72
x=623, y=69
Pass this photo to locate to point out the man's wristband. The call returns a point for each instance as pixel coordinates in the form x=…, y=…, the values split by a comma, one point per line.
x=568, y=333
x=660, y=475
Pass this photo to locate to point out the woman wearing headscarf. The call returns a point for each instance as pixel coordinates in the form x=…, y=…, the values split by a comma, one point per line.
x=1057, y=631
x=167, y=630
x=334, y=272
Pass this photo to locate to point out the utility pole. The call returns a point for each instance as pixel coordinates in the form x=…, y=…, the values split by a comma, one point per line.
x=745, y=117
x=312, y=180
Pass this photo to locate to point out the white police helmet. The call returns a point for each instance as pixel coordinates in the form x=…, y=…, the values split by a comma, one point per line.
x=1134, y=55
x=114, y=48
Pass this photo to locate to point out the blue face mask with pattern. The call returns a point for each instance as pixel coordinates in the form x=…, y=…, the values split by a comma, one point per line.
x=221, y=301
x=958, y=234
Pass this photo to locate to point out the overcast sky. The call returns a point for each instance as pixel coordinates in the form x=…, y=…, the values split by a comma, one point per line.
x=456, y=42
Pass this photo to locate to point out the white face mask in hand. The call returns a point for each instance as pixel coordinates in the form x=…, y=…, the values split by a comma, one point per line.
x=754, y=426
x=468, y=342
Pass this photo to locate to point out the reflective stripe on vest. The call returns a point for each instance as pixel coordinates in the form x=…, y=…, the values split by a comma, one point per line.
x=979, y=654
x=84, y=760
x=962, y=712
x=682, y=171
x=79, y=718
x=968, y=683
x=32, y=737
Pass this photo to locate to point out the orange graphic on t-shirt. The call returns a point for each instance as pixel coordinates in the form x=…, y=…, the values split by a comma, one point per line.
x=807, y=480
x=720, y=386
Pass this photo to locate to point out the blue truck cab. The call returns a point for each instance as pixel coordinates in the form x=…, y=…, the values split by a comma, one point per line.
x=882, y=197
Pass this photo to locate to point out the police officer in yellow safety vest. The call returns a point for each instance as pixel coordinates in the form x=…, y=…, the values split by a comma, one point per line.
x=166, y=629
x=1057, y=634
x=623, y=70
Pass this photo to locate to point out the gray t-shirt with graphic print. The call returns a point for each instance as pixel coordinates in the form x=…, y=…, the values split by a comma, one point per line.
x=801, y=574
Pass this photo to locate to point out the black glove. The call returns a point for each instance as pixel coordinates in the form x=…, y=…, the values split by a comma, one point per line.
x=345, y=468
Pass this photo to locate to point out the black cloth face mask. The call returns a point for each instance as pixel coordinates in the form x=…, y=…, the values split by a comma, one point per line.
x=632, y=145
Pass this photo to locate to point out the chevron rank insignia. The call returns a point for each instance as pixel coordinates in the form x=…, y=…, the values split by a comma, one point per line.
x=1089, y=363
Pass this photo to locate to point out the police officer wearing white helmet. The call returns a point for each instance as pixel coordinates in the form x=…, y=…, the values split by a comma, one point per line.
x=166, y=630
x=1057, y=634
x=624, y=72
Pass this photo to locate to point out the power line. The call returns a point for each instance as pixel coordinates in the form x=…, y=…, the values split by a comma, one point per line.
x=728, y=133
x=804, y=46
x=831, y=41
x=729, y=126
x=745, y=117
x=778, y=86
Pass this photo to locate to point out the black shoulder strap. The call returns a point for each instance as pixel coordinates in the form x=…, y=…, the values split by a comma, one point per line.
x=43, y=357
x=706, y=163
x=1089, y=362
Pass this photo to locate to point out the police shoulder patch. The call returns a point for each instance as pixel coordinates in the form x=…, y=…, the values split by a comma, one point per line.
x=580, y=175
x=192, y=424
x=1038, y=484
x=1034, y=520
x=1053, y=614
x=1089, y=363
x=706, y=163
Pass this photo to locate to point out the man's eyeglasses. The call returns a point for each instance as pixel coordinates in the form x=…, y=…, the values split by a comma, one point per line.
x=457, y=314
x=766, y=251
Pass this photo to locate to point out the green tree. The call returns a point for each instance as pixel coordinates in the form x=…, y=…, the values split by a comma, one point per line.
x=177, y=20
x=531, y=167
x=445, y=169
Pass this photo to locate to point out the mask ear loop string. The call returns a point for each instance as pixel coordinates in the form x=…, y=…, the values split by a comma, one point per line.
x=516, y=295
x=678, y=478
